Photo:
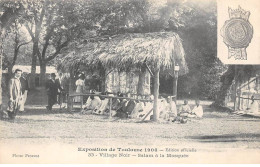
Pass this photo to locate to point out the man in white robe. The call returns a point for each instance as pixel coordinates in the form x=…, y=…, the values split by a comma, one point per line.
x=139, y=107
x=184, y=110
x=197, y=111
x=92, y=103
x=104, y=105
x=171, y=108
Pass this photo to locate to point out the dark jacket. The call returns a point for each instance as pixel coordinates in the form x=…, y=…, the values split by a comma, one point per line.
x=53, y=87
x=130, y=107
x=24, y=84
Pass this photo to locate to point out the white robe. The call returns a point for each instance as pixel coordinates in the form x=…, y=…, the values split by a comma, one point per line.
x=92, y=104
x=198, y=111
x=147, y=107
x=80, y=84
x=139, y=107
x=104, y=105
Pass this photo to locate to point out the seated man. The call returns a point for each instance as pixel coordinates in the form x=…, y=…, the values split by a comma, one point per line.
x=103, y=106
x=116, y=102
x=121, y=111
x=184, y=110
x=92, y=103
x=197, y=110
x=126, y=107
x=163, y=113
x=148, y=106
x=171, y=109
x=130, y=107
x=139, y=107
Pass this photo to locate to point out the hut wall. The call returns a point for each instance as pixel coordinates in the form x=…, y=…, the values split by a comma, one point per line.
x=251, y=87
x=126, y=82
x=147, y=83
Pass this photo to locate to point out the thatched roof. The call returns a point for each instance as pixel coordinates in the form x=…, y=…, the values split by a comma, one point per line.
x=125, y=51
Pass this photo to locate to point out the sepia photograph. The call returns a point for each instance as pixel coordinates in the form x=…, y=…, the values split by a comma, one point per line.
x=129, y=82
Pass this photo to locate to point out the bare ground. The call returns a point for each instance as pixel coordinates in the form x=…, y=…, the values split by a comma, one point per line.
x=218, y=130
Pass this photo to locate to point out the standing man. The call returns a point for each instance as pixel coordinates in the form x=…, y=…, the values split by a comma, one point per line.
x=25, y=89
x=15, y=94
x=52, y=86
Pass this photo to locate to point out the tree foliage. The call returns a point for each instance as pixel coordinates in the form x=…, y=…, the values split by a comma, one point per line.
x=52, y=25
x=16, y=47
x=9, y=12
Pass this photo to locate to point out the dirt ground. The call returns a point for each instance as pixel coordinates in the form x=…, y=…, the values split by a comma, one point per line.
x=218, y=131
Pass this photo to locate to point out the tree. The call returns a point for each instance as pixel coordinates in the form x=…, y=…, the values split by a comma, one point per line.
x=196, y=23
x=13, y=44
x=36, y=21
x=9, y=13
x=52, y=25
x=116, y=17
x=237, y=73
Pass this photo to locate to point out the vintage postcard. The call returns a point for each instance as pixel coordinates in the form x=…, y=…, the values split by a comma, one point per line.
x=129, y=82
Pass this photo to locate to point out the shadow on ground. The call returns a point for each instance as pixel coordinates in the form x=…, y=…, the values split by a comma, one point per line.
x=227, y=138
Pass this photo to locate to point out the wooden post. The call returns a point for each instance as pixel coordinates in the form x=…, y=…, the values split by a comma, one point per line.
x=235, y=89
x=175, y=82
x=156, y=93
x=69, y=104
x=70, y=99
x=67, y=101
x=81, y=101
x=248, y=87
x=110, y=106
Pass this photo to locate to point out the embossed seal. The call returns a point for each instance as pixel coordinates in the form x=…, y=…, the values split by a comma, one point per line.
x=237, y=33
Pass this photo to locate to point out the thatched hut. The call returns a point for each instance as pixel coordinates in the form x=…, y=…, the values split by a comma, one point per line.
x=154, y=52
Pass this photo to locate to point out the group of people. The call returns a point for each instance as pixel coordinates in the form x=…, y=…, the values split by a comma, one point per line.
x=18, y=88
x=82, y=84
x=123, y=106
x=17, y=93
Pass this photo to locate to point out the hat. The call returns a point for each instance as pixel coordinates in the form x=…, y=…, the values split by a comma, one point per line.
x=95, y=76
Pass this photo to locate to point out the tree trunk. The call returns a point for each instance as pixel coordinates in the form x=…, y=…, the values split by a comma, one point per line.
x=2, y=34
x=34, y=61
x=71, y=79
x=156, y=94
x=1, y=56
x=10, y=72
x=103, y=78
x=226, y=80
x=42, y=74
x=5, y=20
